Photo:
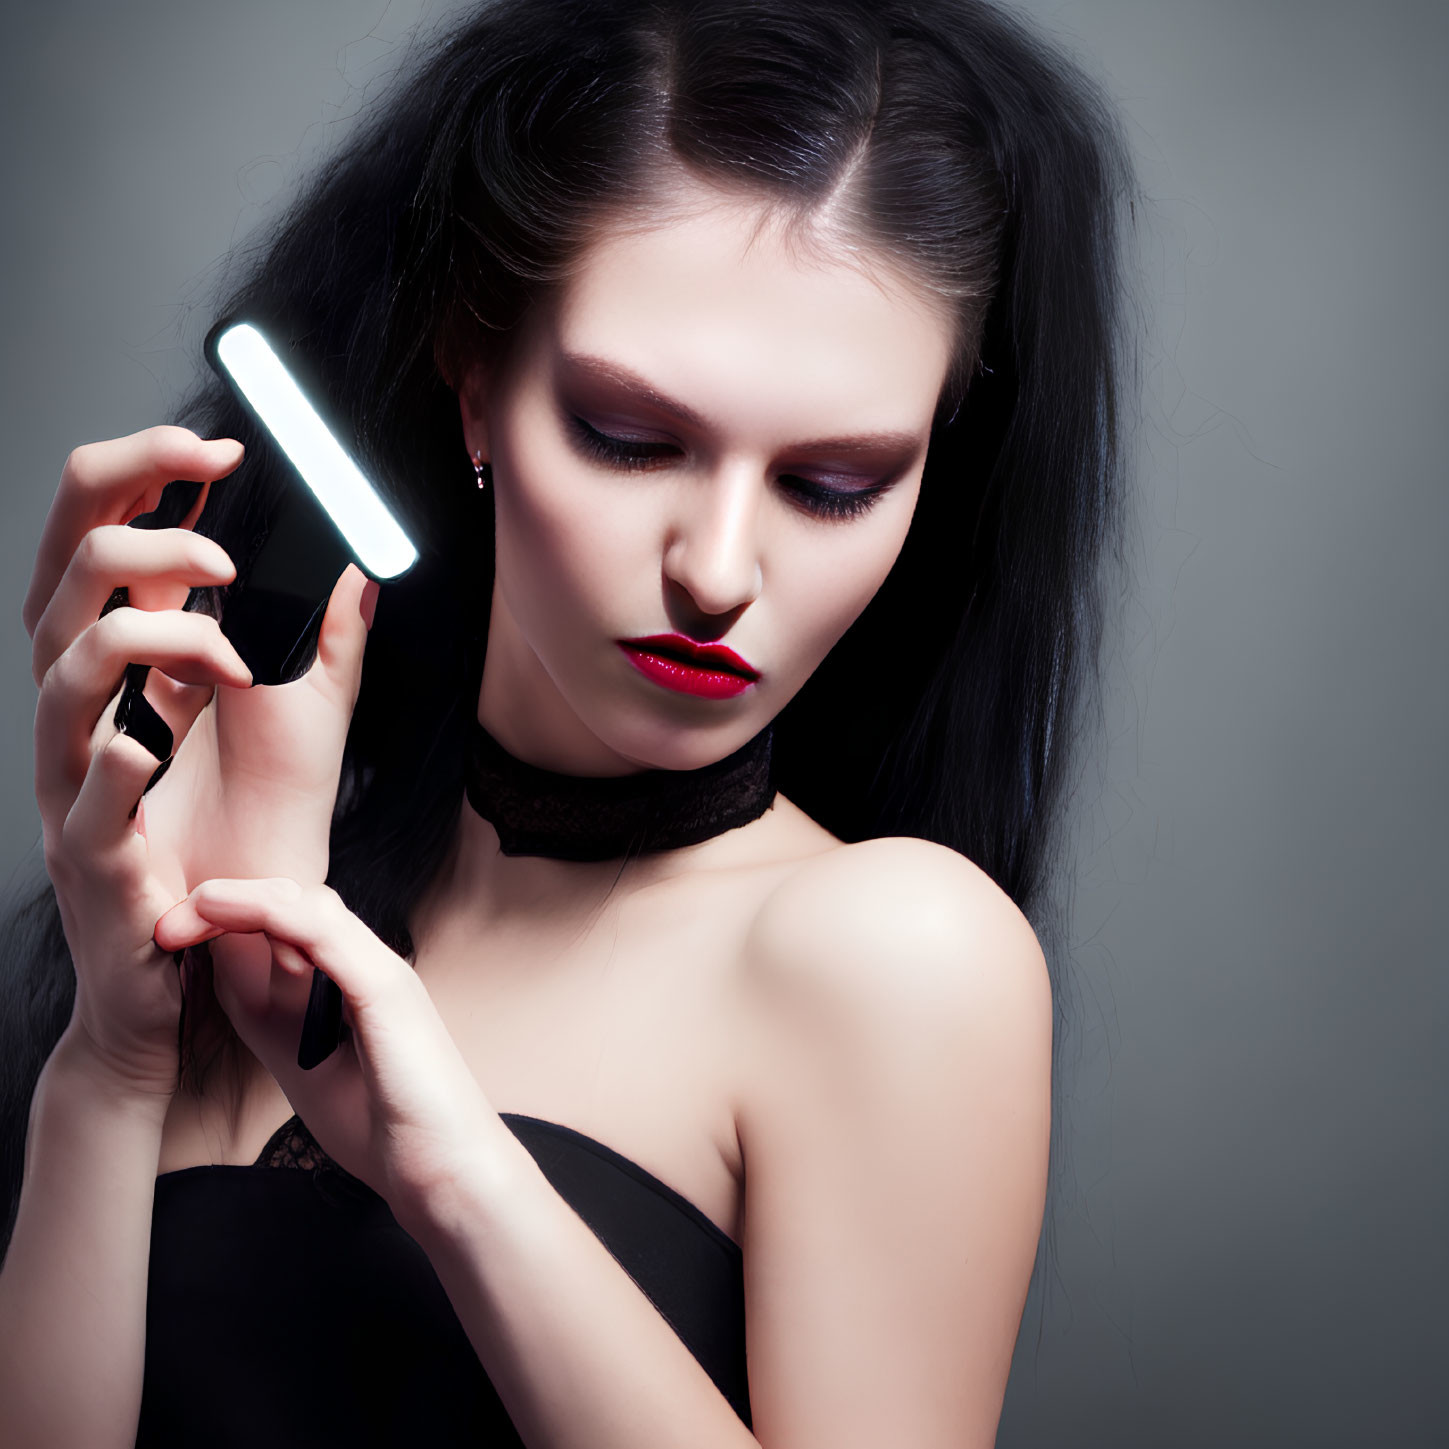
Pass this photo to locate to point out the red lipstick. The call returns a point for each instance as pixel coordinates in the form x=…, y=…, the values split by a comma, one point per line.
x=676, y=662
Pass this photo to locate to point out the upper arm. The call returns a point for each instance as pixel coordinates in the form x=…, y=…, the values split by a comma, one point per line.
x=894, y=1120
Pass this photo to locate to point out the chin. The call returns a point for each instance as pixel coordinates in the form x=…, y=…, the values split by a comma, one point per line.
x=660, y=743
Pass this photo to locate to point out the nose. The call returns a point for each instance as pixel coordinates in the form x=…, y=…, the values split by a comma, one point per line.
x=712, y=552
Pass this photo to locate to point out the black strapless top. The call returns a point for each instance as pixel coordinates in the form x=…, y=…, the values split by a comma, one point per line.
x=287, y=1307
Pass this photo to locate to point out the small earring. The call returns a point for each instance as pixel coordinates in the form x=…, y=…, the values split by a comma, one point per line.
x=481, y=470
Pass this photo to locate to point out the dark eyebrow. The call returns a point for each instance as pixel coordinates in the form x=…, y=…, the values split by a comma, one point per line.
x=620, y=376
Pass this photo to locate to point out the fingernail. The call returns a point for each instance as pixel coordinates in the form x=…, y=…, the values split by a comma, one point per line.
x=367, y=605
x=225, y=448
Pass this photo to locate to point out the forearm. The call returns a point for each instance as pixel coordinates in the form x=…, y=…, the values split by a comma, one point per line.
x=579, y=1355
x=73, y=1286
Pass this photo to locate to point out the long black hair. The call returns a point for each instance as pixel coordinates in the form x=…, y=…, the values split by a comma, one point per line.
x=950, y=138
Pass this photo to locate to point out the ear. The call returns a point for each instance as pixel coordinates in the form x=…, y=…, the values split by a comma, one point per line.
x=473, y=390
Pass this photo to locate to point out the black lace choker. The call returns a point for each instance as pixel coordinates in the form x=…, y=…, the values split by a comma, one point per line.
x=575, y=817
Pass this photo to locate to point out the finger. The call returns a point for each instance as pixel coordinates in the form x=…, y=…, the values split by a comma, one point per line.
x=105, y=811
x=255, y=979
x=114, y=480
x=197, y=504
x=189, y=647
x=311, y=919
x=100, y=821
x=158, y=568
x=293, y=962
x=343, y=636
x=258, y=978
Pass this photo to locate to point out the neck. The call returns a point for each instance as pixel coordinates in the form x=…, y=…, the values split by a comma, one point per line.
x=480, y=894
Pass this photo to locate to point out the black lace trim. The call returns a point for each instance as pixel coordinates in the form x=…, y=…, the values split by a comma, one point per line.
x=292, y=1145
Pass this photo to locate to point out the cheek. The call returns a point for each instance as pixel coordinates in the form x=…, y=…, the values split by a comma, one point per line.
x=834, y=580
x=565, y=543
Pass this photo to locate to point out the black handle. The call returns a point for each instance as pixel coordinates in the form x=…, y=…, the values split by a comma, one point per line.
x=272, y=614
x=322, y=1025
x=135, y=715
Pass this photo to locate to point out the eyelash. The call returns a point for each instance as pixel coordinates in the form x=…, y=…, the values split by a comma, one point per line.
x=823, y=502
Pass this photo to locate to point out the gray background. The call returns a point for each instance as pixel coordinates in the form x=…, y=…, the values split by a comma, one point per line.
x=1250, y=1233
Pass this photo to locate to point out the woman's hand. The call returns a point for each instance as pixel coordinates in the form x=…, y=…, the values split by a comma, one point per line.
x=254, y=774
x=110, y=882
x=396, y=1105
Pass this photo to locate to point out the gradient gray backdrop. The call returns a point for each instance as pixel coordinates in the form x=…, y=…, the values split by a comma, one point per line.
x=1250, y=1233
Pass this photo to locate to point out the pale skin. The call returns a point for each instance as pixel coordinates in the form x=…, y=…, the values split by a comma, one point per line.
x=840, y=1054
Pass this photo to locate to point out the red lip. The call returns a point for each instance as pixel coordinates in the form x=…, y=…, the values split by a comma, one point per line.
x=676, y=662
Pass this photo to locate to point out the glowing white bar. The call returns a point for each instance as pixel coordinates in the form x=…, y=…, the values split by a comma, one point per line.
x=362, y=518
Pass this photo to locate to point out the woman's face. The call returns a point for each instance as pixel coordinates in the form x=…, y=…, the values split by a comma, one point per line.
x=709, y=437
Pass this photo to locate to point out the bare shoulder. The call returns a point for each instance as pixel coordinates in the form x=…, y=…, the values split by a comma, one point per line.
x=893, y=1110
x=897, y=925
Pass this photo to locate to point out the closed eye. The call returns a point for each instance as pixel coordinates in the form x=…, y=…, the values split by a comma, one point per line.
x=815, y=498
x=617, y=452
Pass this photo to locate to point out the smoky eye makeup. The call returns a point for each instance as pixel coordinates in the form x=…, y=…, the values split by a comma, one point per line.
x=832, y=502
x=606, y=448
x=819, y=499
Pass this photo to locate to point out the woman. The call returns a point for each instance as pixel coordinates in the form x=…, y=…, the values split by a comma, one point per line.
x=748, y=373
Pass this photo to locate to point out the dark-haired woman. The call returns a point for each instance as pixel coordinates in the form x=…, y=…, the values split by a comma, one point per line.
x=749, y=375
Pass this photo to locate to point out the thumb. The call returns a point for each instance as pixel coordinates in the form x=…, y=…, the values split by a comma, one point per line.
x=343, y=636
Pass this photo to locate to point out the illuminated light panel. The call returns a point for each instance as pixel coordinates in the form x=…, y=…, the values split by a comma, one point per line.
x=351, y=502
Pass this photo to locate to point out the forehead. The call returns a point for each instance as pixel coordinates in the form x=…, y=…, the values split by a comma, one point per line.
x=714, y=297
